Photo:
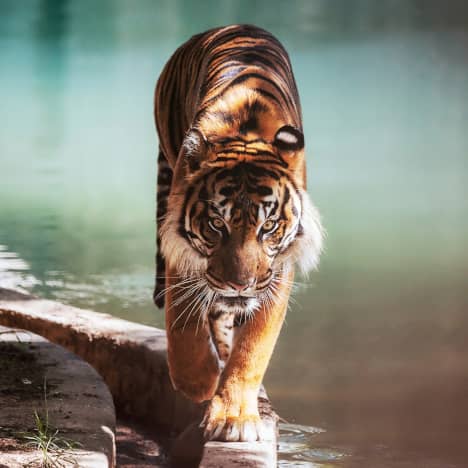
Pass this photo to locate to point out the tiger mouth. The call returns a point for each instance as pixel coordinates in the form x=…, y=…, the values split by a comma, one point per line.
x=239, y=301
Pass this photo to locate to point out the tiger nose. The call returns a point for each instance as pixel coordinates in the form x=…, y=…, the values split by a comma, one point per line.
x=241, y=287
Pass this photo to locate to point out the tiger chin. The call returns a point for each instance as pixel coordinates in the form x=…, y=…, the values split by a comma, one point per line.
x=234, y=218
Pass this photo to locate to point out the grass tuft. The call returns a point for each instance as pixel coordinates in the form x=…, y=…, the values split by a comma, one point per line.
x=55, y=450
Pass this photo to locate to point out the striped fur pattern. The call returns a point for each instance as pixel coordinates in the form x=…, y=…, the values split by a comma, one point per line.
x=233, y=214
x=164, y=187
x=222, y=331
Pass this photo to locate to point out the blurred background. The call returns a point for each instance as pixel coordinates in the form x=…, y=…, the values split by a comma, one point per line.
x=371, y=368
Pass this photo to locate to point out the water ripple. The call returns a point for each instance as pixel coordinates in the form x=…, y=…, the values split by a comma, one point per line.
x=297, y=448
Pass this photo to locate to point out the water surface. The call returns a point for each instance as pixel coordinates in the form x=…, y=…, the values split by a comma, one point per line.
x=370, y=369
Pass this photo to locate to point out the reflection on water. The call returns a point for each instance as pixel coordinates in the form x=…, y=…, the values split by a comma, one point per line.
x=14, y=272
x=374, y=349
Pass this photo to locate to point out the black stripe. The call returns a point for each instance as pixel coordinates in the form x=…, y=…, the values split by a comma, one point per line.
x=267, y=94
x=241, y=79
x=286, y=198
x=223, y=174
x=262, y=172
x=163, y=192
x=264, y=191
x=224, y=117
x=164, y=180
x=165, y=176
x=272, y=158
x=181, y=229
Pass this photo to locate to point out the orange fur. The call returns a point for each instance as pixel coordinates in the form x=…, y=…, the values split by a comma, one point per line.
x=233, y=412
x=220, y=103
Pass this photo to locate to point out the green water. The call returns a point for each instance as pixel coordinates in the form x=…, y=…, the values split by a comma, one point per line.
x=375, y=349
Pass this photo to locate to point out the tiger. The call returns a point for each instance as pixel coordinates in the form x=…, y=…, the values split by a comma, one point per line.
x=233, y=218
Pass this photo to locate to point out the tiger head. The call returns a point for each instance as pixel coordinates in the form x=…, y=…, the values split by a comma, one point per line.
x=239, y=216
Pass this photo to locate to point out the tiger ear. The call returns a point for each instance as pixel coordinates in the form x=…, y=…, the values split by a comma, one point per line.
x=289, y=138
x=194, y=147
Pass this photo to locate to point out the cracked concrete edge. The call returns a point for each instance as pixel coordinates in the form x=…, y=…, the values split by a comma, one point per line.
x=131, y=358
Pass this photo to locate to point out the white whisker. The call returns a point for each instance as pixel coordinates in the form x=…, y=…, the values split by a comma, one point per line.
x=196, y=308
x=204, y=310
x=181, y=284
x=186, y=296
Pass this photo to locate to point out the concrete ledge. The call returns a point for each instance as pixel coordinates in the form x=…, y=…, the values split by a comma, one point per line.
x=131, y=358
x=38, y=376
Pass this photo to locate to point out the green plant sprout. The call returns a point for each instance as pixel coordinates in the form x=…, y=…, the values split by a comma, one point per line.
x=54, y=448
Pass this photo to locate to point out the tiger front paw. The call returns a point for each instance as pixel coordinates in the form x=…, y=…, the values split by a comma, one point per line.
x=224, y=423
x=240, y=429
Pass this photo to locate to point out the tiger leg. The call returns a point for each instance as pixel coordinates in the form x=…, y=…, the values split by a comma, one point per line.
x=222, y=333
x=194, y=366
x=232, y=414
x=164, y=186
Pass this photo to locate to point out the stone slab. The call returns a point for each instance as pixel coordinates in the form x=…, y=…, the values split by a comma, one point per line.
x=43, y=378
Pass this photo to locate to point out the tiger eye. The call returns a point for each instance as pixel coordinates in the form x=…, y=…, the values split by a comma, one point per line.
x=268, y=225
x=217, y=223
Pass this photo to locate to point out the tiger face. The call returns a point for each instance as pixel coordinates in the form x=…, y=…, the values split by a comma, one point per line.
x=241, y=220
x=237, y=227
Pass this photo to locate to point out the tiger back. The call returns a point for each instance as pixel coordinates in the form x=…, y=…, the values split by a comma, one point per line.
x=233, y=217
